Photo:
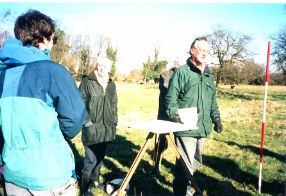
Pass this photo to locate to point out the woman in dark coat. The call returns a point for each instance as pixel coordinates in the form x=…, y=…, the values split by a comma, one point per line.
x=99, y=94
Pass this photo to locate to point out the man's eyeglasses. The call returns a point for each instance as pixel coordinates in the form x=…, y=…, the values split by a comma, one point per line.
x=202, y=50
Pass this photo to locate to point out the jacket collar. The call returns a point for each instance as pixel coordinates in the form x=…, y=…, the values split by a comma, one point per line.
x=92, y=76
x=14, y=53
x=207, y=70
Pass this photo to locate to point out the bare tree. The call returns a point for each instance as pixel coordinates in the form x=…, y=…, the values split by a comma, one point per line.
x=61, y=49
x=82, y=50
x=111, y=53
x=87, y=52
x=4, y=20
x=153, y=68
x=101, y=44
x=279, y=52
x=229, y=48
x=136, y=75
x=251, y=73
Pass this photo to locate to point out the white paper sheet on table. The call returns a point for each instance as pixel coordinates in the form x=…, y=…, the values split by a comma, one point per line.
x=189, y=116
x=159, y=126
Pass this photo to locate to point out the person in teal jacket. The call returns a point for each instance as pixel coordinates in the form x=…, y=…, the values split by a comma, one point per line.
x=192, y=85
x=40, y=107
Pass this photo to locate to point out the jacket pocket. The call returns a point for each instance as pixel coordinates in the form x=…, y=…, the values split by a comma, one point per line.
x=94, y=133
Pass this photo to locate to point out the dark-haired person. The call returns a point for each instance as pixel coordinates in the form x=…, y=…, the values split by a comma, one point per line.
x=40, y=106
x=192, y=85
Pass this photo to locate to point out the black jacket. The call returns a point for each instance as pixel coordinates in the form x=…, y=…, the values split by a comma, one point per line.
x=163, y=87
x=101, y=110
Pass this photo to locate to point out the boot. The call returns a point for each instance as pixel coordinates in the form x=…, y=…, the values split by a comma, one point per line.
x=85, y=181
x=88, y=193
x=95, y=177
x=156, y=170
x=179, y=188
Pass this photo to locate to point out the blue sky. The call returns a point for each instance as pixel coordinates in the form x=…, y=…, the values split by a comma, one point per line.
x=136, y=29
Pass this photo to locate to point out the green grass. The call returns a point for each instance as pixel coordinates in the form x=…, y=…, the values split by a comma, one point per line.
x=231, y=158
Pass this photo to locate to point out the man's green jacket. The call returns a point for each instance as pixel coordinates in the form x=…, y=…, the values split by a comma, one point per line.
x=189, y=87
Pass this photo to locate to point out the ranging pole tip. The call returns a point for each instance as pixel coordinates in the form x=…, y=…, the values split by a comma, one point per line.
x=267, y=63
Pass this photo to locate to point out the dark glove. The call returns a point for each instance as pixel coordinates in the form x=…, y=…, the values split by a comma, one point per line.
x=217, y=124
x=176, y=119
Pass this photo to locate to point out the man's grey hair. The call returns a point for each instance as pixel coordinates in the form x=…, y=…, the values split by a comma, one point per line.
x=204, y=38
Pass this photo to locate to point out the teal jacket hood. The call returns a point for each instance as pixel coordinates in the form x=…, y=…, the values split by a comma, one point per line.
x=14, y=53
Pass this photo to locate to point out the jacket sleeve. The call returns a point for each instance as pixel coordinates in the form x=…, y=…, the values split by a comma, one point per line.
x=214, y=108
x=1, y=145
x=172, y=96
x=82, y=88
x=85, y=96
x=114, y=105
x=68, y=103
x=162, y=95
x=161, y=83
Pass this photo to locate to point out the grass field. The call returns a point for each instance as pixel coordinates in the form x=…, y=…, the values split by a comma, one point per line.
x=231, y=158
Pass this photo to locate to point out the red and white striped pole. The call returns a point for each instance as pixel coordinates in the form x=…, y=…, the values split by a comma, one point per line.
x=264, y=117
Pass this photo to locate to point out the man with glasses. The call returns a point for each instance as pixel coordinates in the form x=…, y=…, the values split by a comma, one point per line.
x=192, y=85
x=40, y=106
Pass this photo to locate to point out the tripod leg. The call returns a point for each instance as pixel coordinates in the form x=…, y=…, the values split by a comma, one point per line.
x=135, y=164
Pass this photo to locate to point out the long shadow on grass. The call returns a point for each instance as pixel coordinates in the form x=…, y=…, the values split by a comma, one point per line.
x=230, y=169
x=142, y=182
x=276, y=97
x=210, y=185
x=256, y=150
x=214, y=187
